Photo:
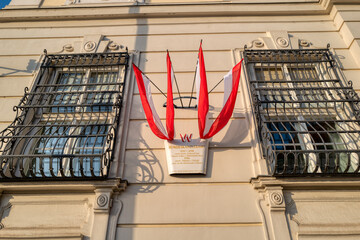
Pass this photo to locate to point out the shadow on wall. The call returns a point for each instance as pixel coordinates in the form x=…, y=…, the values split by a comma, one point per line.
x=147, y=164
x=147, y=180
x=147, y=160
x=29, y=69
x=236, y=132
x=5, y=209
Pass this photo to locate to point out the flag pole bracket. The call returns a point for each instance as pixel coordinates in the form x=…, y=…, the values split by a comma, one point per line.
x=184, y=106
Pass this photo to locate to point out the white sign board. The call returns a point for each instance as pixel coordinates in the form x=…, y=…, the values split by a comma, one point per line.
x=186, y=157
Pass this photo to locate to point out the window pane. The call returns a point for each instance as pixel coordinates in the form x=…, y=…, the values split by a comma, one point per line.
x=284, y=140
x=65, y=93
x=51, y=142
x=106, y=82
x=92, y=143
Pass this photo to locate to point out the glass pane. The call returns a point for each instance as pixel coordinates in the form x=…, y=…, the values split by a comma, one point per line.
x=329, y=137
x=52, y=143
x=285, y=140
x=106, y=82
x=90, y=146
x=65, y=93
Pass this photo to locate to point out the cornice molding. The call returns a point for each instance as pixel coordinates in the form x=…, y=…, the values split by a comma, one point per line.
x=310, y=183
x=243, y=8
x=116, y=185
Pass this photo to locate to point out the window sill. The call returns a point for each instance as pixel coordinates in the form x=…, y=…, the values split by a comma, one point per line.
x=309, y=182
x=60, y=186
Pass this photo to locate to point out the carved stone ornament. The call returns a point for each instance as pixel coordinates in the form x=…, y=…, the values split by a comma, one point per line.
x=304, y=43
x=68, y=48
x=102, y=200
x=258, y=43
x=113, y=46
x=72, y=1
x=90, y=46
x=282, y=42
x=276, y=198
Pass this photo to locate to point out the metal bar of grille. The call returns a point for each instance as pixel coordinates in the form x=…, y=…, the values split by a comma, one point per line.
x=295, y=81
x=300, y=89
x=307, y=116
x=67, y=105
x=309, y=101
x=69, y=92
x=65, y=127
x=77, y=85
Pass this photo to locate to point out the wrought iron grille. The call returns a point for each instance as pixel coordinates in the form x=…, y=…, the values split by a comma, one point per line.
x=65, y=127
x=307, y=115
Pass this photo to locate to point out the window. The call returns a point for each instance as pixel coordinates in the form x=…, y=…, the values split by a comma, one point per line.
x=66, y=125
x=307, y=116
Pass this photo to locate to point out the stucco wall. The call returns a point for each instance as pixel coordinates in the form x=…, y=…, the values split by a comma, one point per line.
x=223, y=203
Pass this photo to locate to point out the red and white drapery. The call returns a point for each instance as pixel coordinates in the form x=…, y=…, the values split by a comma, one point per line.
x=146, y=99
x=231, y=85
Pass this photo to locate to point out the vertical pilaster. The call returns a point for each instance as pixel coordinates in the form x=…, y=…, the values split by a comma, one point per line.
x=278, y=221
x=102, y=207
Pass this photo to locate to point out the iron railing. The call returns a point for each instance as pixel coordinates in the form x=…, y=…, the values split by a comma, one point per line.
x=65, y=127
x=307, y=115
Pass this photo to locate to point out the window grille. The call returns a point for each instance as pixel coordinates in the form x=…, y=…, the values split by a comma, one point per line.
x=307, y=116
x=65, y=127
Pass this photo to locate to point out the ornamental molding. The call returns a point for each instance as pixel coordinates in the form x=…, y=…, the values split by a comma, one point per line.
x=304, y=43
x=102, y=200
x=113, y=46
x=282, y=42
x=68, y=47
x=69, y=2
x=116, y=185
x=104, y=196
x=304, y=183
x=89, y=44
x=279, y=40
x=123, y=10
x=276, y=198
x=257, y=43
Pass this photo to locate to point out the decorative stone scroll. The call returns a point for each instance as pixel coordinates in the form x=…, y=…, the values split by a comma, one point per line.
x=187, y=156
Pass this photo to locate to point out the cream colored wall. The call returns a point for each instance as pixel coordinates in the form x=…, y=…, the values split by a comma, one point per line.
x=222, y=204
x=324, y=214
x=65, y=215
x=347, y=19
x=332, y=213
x=53, y=3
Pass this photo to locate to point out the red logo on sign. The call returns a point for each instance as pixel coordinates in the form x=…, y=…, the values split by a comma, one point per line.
x=186, y=138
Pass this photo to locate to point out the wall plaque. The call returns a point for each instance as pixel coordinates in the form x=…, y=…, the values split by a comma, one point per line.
x=187, y=156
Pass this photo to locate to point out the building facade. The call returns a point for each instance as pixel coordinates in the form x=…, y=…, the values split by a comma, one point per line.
x=79, y=161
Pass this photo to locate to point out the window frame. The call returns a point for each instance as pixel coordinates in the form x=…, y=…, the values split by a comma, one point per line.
x=48, y=79
x=313, y=165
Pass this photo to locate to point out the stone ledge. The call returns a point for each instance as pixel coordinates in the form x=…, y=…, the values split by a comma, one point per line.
x=165, y=10
x=116, y=185
x=321, y=182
